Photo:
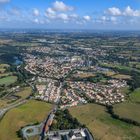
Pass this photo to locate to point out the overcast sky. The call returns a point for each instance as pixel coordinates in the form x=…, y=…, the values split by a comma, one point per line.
x=70, y=14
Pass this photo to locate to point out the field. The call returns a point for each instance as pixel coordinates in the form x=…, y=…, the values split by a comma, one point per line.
x=22, y=94
x=3, y=67
x=135, y=96
x=121, y=76
x=129, y=109
x=8, y=80
x=29, y=113
x=102, y=126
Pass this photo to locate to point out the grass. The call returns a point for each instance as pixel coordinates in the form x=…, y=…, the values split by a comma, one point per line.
x=135, y=96
x=29, y=113
x=8, y=80
x=109, y=73
x=102, y=126
x=2, y=70
x=4, y=65
x=34, y=138
x=84, y=75
x=121, y=76
x=128, y=110
x=5, y=74
x=23, y=94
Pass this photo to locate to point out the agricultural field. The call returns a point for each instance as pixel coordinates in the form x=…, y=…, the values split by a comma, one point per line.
x=8, y=80
x=102, y=126
x=29, y=113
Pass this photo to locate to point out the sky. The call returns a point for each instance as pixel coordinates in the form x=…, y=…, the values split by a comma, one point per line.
x=71, y=14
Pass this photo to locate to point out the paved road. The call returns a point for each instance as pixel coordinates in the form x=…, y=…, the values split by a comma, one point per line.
x=35, y=130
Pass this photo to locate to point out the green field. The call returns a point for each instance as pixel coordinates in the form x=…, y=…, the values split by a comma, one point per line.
x=102, y=126
x=121, y=76
x=8, y=80
x=25, y=92
x=135, y=96
x=128, y=110
x=22, y=94
x=31, y=112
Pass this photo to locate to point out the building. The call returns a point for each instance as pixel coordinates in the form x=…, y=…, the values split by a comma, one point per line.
x=71, y=134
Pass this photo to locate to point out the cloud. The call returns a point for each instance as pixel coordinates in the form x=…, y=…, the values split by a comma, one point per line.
x=63, y=16
x=61, y=6
x=36, y=12
x=36, y=20
x=87, y=18
x=50, y=13
x=130, y=12
x=114, y=11
x=4, y=1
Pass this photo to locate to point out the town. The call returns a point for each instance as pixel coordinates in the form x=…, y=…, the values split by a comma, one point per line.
x=52, y=83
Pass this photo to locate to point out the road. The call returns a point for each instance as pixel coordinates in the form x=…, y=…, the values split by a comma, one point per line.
x=4, y=110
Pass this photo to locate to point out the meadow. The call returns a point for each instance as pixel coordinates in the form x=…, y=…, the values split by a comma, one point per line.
x=130, y=108
x=102, y=125
x=29, y=113
x=9, y=100
x=8, y=80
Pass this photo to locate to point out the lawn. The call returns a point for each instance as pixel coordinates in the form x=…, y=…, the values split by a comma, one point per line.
x=8, y=80
x=31, y=112
x=102, y=126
